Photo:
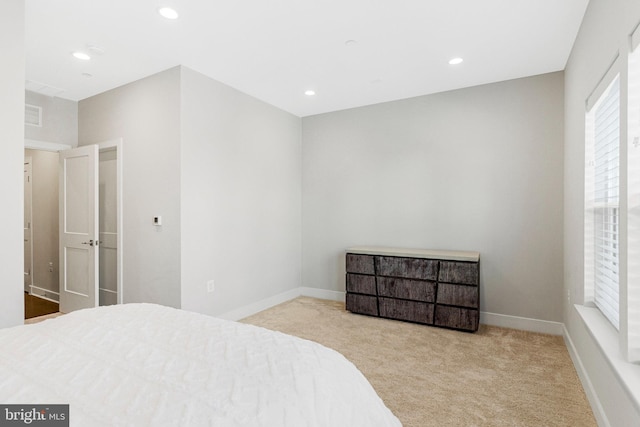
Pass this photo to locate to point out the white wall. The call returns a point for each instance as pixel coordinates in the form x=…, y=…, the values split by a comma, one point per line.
x=604, y=31
x=473, y=169
x=223, y=171
x=241, y=197
x=11, y=162
x=45, y=219
x=146, y=114
x=59, y=120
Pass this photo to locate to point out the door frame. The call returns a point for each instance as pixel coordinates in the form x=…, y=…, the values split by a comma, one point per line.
x=111, y=144
x=116, y=144
x=34, y=144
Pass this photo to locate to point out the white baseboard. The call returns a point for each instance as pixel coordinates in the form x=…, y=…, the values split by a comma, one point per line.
x=45, y=294
x=256, y=307
x=589, y=390
x=514, y=322
x=522, y=323
x=322, y=294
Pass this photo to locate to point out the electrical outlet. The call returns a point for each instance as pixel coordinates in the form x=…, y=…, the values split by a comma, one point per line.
x=569, y=295
x=211, y=286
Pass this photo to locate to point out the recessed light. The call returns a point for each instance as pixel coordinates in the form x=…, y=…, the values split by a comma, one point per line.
x=81, y=55
x=309, y=92
x=456, y=61
x=350, y=43
x=87, y=75
x=168, y=13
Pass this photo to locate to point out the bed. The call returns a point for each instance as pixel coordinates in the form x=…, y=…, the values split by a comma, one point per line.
x=150, y=365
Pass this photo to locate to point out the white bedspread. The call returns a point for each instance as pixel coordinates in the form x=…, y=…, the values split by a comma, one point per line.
x=148, y=365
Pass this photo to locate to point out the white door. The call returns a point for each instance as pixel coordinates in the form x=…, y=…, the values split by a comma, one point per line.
x=28, y=250
x=78, y=228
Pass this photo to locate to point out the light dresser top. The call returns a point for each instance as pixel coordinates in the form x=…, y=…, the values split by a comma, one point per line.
x=416, y=253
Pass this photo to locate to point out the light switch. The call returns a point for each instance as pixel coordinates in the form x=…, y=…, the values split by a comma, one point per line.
x=157, y=220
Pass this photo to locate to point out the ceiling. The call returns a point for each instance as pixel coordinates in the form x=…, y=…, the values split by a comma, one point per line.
x=350, y=52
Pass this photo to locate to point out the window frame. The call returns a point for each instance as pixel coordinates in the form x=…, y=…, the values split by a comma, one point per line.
x=602, y=195
x=627, y=68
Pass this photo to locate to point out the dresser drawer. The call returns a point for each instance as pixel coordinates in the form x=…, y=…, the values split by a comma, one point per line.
x=457, y=318
x=461, y=295
x=410, y=268
x=412, y=311
x=417, y=290
x=363, y=304
x=437, y=288
x=362, y=264
x=361, y=284
x=467, y=273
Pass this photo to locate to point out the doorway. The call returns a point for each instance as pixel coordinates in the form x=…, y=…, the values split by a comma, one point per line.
x=110, y=257
x=41, y=224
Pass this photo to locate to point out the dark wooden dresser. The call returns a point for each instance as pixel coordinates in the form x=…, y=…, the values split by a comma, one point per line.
x=439, y=288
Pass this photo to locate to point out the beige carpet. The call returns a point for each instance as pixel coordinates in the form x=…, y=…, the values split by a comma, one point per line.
x=436, y=377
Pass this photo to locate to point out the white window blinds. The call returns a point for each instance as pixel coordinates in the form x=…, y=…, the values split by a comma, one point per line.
x=605, y=201
x=630, y=300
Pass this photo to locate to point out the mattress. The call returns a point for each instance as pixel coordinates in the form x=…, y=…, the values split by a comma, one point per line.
x=149, y=365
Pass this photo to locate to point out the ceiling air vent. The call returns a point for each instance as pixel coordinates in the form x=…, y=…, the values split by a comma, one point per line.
x=32, y=115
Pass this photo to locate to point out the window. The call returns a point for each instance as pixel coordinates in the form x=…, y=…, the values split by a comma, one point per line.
x=602, y=188
x=612, y=200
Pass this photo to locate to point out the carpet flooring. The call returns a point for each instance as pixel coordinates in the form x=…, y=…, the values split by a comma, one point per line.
x=437, y=377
